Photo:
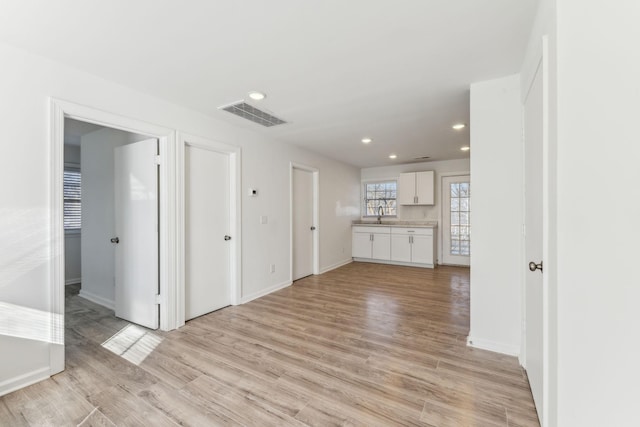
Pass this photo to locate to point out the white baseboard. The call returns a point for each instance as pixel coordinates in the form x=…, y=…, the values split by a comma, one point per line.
x=24, y=380
x=73, y=281
x=497, y=347
x=98, y=299
x=270, y=289
x=385, y=261
x=336, y=265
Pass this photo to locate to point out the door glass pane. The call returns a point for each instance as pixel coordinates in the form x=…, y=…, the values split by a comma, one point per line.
x=460, y=217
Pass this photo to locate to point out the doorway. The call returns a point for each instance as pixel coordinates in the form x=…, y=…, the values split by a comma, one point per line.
x=165, y=226
x=533, y=240
x=207, y=231
x=456, y=220
x=209, y=213
x=304, y=221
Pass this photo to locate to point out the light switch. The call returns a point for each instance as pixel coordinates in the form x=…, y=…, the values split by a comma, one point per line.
x=253, y=192
x=264, y=219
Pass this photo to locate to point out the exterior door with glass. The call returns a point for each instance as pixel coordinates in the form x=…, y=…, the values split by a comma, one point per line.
x=456, y=220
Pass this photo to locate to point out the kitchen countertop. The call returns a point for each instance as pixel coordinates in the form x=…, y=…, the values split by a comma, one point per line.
x=374, y=223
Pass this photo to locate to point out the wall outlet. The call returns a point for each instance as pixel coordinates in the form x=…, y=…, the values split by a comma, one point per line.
x=273, y=268
x=264, y=219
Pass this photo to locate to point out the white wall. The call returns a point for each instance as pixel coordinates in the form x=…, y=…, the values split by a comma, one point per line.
x=419, y=213
x=26, y=82
x=598, y=284
x=98, y=214
x=72, y=240
x=496, y=220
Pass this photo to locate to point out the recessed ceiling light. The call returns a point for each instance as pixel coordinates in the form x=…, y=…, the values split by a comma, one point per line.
x=393, y=156
x=366, y=140
x=257, y=96
x=459, y=126
x=465, y=148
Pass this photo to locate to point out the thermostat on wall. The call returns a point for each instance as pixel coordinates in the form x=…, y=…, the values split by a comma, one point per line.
x=253, y=192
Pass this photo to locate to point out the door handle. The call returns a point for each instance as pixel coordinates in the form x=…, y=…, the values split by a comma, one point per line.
x=115, y=240
x=313, y=228
x=227, y=237
x=533, y=266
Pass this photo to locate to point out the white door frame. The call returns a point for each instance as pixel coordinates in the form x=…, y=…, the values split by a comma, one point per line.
x=548, y=322
x=441, y=212
x=60, y=110
x=316, y=216
x=235, y=216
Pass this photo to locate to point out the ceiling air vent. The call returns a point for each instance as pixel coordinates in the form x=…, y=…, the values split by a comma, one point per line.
x=249, y=112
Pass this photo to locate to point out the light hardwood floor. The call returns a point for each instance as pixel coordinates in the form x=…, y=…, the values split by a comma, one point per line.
x=366, y=344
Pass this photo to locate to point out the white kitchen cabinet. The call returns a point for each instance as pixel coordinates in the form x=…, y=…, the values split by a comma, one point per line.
x=400, y=248
x=413, y=245
x=371, y=243
x=381, y=246
x=416, y=188
x=423, y=249
x=361, y=245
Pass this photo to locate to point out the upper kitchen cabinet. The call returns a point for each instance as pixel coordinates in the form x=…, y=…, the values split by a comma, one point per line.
x=416, y=188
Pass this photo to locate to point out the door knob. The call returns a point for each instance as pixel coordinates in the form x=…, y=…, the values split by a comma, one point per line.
x=533, y=266
x=313, y=228
x=227, y=237
x=115, y=240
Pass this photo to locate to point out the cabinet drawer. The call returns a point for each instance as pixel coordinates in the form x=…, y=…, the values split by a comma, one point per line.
x=412, y=231
x=379, y=230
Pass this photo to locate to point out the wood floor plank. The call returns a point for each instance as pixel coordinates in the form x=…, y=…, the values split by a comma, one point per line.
x=362, y=345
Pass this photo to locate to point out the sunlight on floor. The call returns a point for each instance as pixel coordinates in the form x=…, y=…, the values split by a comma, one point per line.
x=133, y=343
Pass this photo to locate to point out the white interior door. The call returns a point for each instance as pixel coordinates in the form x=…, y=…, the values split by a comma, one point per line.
x=207, y=234
x=136, y=225
x=456, y=220
x=303, y=226
x=533, y=135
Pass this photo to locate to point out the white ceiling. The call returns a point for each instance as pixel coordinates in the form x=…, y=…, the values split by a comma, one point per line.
x=397, y=71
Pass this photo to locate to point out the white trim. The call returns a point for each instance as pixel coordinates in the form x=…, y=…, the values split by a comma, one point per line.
x=363, y=205
x=497, y=347
x=73, y=281
x=24, y=380
x=316, y=216
x=105, y=302
x=442, y=214
x=336, y=265
x=440, y=243
x=266, y=291
x=59, y=110
x=235, y=216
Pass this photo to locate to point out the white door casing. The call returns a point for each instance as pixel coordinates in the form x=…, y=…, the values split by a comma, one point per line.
x=303, y=225
x=136, y=228
x=207, y=225
x=457, y=256
x=533, y=157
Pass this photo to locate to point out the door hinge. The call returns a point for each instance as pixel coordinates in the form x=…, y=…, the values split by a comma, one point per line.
x=158, y=299
x=157, y=160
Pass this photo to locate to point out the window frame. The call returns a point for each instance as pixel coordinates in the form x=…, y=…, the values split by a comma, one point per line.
x=364, y=199
x=72, y=167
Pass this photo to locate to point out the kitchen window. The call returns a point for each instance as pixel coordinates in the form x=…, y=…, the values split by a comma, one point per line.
x=72, y=199
x=380, y=194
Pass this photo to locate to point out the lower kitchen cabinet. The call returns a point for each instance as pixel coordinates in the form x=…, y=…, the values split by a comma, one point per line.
x=414, y=246
x=371, y=243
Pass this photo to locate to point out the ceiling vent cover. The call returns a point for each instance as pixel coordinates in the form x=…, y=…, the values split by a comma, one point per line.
x=250, y=112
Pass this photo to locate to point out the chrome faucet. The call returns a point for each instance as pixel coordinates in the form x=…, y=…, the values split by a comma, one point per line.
x=380, y=214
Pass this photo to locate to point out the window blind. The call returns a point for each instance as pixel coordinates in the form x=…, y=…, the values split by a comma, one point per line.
x=72, y=199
